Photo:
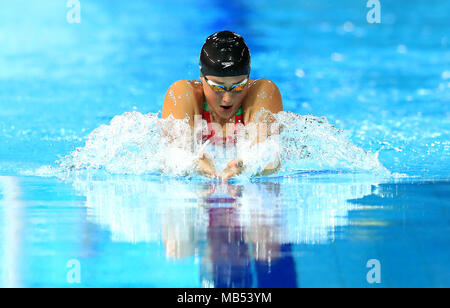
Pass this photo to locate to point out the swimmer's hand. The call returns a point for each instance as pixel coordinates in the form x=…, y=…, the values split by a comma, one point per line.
x=205, y=166
x=234, y=167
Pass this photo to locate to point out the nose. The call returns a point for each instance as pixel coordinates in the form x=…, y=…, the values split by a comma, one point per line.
x=227, y=97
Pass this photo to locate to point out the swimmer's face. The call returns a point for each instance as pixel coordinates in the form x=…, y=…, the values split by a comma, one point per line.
x=225, y=103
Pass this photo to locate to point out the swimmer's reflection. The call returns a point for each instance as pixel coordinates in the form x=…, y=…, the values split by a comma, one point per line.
x=258, y=221
x=238, y=254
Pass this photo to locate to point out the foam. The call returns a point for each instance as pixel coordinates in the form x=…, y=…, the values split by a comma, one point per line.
x=136, y=143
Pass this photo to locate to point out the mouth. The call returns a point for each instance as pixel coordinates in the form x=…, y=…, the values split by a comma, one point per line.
x=225, y=108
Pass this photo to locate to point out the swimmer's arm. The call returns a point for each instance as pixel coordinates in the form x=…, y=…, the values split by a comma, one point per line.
x=179, y=101
x=269, y=98
x=177, y=104
x=264, y=94
x=271, y=168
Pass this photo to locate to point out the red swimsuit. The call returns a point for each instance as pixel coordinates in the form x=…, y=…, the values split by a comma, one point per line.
x=239, y=119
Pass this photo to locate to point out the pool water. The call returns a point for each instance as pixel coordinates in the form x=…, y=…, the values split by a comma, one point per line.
x=387, y=86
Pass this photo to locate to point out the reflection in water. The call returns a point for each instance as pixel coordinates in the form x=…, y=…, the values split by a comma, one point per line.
x=227, y=262
x=242, y=233
x=11, y=210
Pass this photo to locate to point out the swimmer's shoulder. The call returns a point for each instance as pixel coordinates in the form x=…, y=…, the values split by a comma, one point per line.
x=183, y=98
x=263, y=93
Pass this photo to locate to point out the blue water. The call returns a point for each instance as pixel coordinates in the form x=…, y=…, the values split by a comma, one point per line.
x=386, y=85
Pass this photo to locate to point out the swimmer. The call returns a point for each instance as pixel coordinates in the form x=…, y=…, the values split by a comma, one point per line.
x=225, y=94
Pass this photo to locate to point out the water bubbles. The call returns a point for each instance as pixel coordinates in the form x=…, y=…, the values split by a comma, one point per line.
x=135, y=143
x=306, y=106
x=172, y=97
x=263, y=95
x=362, y=98
x=348, y=26
x=337, y=57
x=423, y=92
x=445, y=75
x=300, y=73
x=311, y=143
x=402, y=49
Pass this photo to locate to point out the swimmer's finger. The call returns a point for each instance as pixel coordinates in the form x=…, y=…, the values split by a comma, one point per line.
x=208, y=174
x=236, y=163
x=227, y=174
x=211, y=176
x=231, y=164
x=225, y=178
x=206, y=170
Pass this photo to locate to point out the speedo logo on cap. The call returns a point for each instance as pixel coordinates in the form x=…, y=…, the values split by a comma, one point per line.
x=227, y=64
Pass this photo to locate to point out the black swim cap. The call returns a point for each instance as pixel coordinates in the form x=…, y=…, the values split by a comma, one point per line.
x=225, y=54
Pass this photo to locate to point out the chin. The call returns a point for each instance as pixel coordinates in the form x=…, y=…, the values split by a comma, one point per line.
x=227, y=115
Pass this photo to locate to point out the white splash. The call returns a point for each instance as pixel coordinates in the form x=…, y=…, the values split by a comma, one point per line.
x=135, y=143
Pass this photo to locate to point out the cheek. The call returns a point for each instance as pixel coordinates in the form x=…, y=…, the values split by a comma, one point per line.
x=239, y=96
x=211, y=96
x=207, y=92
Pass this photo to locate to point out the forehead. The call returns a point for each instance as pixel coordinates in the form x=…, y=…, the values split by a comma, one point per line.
x=226, y=80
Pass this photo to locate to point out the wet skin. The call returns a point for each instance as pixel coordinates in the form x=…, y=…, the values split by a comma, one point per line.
x=186, y=97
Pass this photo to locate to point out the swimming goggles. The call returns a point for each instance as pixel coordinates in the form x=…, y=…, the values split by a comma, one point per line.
x=218, y=88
